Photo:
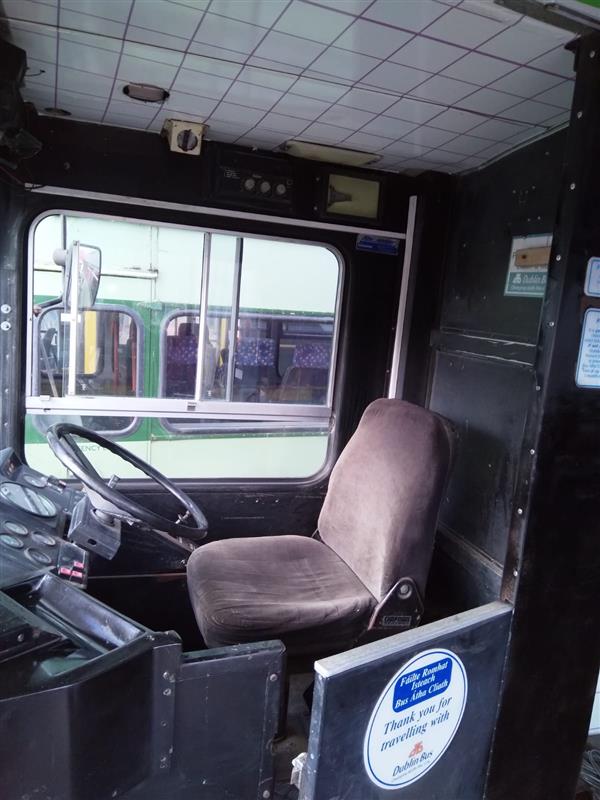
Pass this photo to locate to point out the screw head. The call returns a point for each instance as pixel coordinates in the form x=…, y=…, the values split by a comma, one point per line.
x=273, y=677
x=5, y=326
x=579, y=114
x=5, y=308
x=558, y=257
x=520, y=511
x=515, y=573
x=572, y=186
x=167, y=692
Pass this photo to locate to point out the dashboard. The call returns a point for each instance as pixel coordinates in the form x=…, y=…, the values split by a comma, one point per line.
x=35, y=512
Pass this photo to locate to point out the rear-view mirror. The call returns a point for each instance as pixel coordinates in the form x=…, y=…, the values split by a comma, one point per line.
x=85, y=261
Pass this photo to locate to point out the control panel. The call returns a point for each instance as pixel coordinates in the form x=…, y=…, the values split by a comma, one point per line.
x=254, y=181
x=34, y=515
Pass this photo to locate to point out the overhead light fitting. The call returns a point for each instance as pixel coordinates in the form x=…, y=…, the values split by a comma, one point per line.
x=145, y=92
x=57, y=112
x=333, y=155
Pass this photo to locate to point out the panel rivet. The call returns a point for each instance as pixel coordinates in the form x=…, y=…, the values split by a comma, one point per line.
x=273, y=677
x=519, y=511
x=532, y=452
x=515, y=573
x=579, y=114
x=5, y=308
x=167, y=692
x=551, y=324
x=559, y=258
x=266, y=794
x=592, y=53
x=5, y=326
x=572, y=186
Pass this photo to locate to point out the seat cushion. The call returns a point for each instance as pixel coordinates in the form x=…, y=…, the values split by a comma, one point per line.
x=275, y=587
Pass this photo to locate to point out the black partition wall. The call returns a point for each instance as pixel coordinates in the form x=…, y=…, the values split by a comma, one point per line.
x=482, y=353
x=520, y=517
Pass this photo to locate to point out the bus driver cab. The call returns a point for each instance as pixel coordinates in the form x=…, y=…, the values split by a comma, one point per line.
x=299, y=399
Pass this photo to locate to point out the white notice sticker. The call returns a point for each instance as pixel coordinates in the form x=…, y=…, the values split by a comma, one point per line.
x=588, y=364
x=415, y=719
x=528, y=266
x=592, y=278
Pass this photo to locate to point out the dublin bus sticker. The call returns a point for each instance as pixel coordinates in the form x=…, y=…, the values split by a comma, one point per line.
x=415, y=719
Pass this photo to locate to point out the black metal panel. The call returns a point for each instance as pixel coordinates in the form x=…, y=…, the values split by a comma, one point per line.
x=12, y=318
x=480, y=360
x=461, y=577
x=433, y=218
x=82, y=740
x=226, y=716
x=239, y=691
x=553, y=563
x=101, y=158
x=515, y=352
x=95, y=707
x=516, y=196
x=486, y=400
x=348, y=687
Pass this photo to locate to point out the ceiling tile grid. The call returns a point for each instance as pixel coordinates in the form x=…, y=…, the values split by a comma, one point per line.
x=446, y=84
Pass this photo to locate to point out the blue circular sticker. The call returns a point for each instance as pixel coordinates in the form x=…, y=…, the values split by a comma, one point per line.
x=415, y=719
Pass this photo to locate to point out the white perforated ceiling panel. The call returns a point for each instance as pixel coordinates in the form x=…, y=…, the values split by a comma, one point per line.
x=427, y=84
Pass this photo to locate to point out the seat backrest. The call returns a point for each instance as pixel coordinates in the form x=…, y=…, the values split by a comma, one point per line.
x=312, y=356
x=305, y=381
x=253, y=352
x=381, y=508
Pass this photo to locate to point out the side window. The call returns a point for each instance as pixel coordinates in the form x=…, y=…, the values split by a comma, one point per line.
x=179, y=357
x=108, y=353
x=269, y=327
x=209, y=354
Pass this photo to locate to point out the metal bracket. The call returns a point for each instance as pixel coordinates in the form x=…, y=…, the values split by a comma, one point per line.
x=400, y=609
x=167, y=659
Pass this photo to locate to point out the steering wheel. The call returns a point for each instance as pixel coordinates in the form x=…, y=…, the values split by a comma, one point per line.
x=68, y=452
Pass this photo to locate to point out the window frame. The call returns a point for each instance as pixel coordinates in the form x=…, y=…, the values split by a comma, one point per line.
x=140, y=334
x=160, y=407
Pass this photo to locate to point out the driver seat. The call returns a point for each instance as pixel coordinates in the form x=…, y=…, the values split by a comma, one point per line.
x=377, y=525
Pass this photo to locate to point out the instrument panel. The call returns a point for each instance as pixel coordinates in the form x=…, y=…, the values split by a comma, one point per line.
x=34, y=516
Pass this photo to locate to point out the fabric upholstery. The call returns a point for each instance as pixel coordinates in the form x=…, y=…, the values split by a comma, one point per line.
x=384, y=494
x=253, y=352
x=377, y=525
x=182, y=353
x=315, y=356
x=275, y=587
x=305, y=381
